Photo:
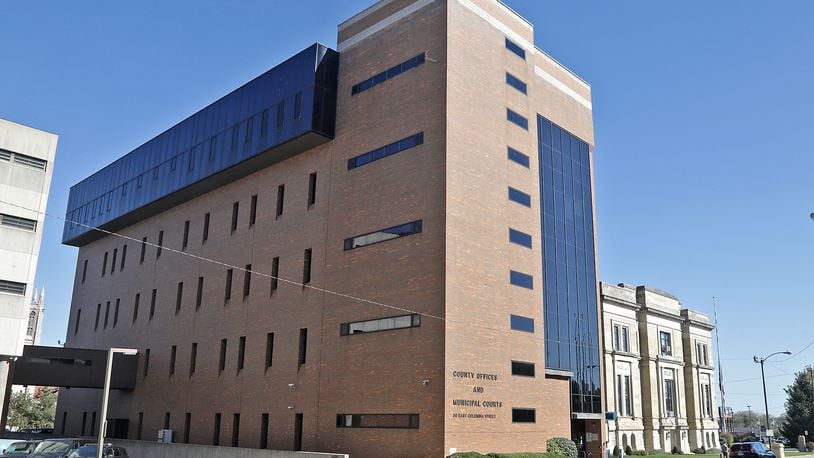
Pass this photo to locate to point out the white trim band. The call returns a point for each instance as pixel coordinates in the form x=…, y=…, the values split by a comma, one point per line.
x=562, y=87
x=384, y=23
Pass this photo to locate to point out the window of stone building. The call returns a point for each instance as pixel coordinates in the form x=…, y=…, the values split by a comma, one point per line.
x=624, y=392
x=669, y=392
x=621, y=339
x=666, y=344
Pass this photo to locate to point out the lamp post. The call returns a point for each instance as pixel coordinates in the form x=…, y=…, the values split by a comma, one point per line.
x=749, y=419
x=106, y=393
x=765, y=398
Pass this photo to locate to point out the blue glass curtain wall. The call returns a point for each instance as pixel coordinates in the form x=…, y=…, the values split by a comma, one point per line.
x=569, y=271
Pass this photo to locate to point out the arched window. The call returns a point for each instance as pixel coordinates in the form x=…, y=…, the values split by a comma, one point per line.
x=624, y=440
x=633, y=442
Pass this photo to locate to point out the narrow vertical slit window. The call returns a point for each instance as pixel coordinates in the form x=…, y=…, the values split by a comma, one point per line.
x=205, y=235
x=173, y=353
x=312, y=189
x=193, y=358
x=187, y=421
x=152, y=304
x=113, y=261
x=107, y=313
x=76, y=323
x=185, y=240
x=264, y=431
x=146, y=362
x=264, y=124
x=306, y=267
x=235, y=134
x=249, y=130
x=269, y=349
x=143, y=250
x=104, y=264
x=179, y=297
x=135, y=306
x=216, y=430
x=253, y=211
x=84, y=270
x=275, y=272
x=280, y=200
x=116, y=313
x=227, y=294
x=247, y=280
x=241, y=353
x=98, y=313
x=235, y=211
x=199, y=293
x=166, y=420
x=236, y=430
x=222, y=360
x=212, y=148
x=140, y=425
x=303, y=346
x=124, y=256
x=281, y=114
x=298, y=105
x=160, y=244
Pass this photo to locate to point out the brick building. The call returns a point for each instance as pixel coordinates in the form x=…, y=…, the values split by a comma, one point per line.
x=403, y=231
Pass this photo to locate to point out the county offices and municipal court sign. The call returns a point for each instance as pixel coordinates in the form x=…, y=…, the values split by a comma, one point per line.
x=478, y=405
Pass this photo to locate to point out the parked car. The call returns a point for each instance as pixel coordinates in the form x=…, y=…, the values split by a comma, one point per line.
x=750, y=450
x=90, y=451
x=19, y=449
x=58, y=448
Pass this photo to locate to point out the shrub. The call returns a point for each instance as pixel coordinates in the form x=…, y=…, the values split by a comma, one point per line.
x=675, y=451
x=628, y=450
x=699, y=450
x=616, y=451
x=562, y=446
x=640, y=452
x=715, y=451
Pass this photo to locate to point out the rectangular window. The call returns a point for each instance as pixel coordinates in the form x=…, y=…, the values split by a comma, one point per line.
x=298, y=105
x=98, y=314
x=518, y=157
x=524, y=415
x=84, y=420
x=264, y=124
x=29, y=161
x=312, y=188
x=235, y=134
x=380, y=420
x=623, y=390
x=519, y=197
x=703, y=359
x=104, y=264
x=520, y=238
x=222, y=360
x=116, y=313
x=227, y=293
x=253, y=211
x=264, y=431
x=669, y=393
x=124, y=256
x=93, y=423
x=76, y=323
x=146, y=362
x=249, y=130
x=241, y=353
x=64, y=423
x=135, y=307
x=523, y=368
x=275, y=272
x=205, y=235
x=382, y=235
x=179, y=294
x=515, y=48
x=281, y=114
x=280, y=199
x=84, y=270
x=193, y=358
x=152, y=304
x=247, y=280
x=160, y=244
x=185, y=239
x=173, y=351
x=516, y=83
x=520, y=279
x=18, y=222
x=166, y=420
x=269, y=349
x=517, y=118
x=143, y=250
x=187, y=421
x=113, y=261
x=391, y=72
x=665, y=341
x=306, y=266
x=140, y=425
x=199, y=293
x=303, y=346
x=387, y=150
x=216, y=430
x=236, y=430
x=381, y=324
x=12, y=287
x=235, y=211
x=107, y=314
x=620, y=338
x=521, y=323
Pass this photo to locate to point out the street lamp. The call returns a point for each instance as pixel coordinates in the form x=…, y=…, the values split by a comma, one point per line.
x=763, y=376
x=106, y=394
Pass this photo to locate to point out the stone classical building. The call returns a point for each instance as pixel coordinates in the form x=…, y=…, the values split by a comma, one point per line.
x=385, y=249
x=36, y=315
x=660, y=371
x=26, y=166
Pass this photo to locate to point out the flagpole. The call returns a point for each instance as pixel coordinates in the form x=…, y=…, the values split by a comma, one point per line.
x=720, y=366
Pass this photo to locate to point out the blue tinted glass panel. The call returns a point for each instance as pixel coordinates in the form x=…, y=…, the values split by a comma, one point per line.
x=517, y=118
x=383, y=235
x=518, y=157
x=387, y=150
x=569, y=272
x=515, y=82
x=520, y=197
x=520, y=238
x=515, y=48
x=387, y=74
x=521, y=279
x=521, y=323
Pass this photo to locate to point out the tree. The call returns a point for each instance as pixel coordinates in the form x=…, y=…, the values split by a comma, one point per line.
x=37, y=411
x=799, y=405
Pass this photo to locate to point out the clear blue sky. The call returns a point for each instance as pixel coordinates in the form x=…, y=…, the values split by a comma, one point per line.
x=703, y=115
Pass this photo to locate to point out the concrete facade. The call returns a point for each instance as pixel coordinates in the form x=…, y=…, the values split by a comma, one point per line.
x=452, y=374
x=659, y=361
x=26, y=166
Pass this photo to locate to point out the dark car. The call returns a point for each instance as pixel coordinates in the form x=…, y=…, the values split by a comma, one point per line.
x=58, y=448
x=87, y=451
x=19, y=449
x=750, y=450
